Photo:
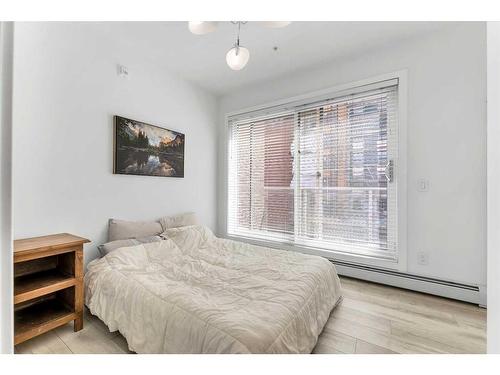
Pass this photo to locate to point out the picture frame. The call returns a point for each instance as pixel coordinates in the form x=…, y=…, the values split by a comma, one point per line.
x=144, y=149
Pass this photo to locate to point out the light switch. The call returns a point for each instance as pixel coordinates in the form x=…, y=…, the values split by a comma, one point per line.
x=423, y=185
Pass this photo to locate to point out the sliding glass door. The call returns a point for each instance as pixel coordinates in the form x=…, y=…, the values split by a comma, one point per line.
x=319, y=174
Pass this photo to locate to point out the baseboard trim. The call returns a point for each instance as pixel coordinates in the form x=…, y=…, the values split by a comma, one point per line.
x=463, y=292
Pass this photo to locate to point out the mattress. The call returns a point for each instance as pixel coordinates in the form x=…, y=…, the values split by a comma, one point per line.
x=196, y=293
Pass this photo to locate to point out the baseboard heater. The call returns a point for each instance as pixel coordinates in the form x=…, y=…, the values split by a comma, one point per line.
x=462, y=292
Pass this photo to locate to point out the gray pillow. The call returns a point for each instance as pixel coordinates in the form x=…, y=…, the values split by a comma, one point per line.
x=177, y=221
x=108, y=247
x=122, y=229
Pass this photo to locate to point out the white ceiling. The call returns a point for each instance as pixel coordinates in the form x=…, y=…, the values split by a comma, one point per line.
x=201, y=59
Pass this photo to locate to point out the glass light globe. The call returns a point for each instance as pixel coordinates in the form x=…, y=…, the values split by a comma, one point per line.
x=237, y=57
x=202, y=27
x=276, y=24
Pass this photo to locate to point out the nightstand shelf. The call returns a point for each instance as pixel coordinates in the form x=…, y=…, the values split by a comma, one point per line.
x=41, y=283
x=48, y=284
x=41, y=317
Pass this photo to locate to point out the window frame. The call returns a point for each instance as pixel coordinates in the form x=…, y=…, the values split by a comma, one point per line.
x=400, y=264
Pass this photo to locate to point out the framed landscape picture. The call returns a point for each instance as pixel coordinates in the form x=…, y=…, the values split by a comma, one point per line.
x=147, y=150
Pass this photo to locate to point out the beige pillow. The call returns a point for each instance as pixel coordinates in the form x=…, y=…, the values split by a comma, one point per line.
x=177, y=221
x=122, y=229
x=108, y=247
x=189, y=236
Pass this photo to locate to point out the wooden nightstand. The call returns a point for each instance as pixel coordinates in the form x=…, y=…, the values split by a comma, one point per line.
x=48, y=284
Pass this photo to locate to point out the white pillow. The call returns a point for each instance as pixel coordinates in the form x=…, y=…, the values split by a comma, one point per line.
x=189, y=237
x=177, y=221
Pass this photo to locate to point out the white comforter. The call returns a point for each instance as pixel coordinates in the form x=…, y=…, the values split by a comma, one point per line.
x=196, y=293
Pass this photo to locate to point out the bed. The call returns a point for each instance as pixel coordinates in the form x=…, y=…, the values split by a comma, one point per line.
x=196, y=293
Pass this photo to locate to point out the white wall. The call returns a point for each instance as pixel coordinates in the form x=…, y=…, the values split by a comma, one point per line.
x=6, y=280
x=493, y=187
x=446, y=140
x=66, y=93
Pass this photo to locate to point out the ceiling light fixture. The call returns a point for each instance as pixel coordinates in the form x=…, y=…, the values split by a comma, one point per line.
x=202, y=27
x=238, y=56
x=276, y=24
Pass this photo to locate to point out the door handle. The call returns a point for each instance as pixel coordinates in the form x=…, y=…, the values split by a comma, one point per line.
x=389, y=171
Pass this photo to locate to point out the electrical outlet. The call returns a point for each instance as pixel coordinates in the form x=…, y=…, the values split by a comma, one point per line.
x=423, y=258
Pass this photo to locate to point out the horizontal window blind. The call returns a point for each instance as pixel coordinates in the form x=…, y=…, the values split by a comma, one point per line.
x=260, y=180
x=319, y=174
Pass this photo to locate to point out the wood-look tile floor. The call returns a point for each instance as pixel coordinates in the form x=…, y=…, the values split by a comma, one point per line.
x=371, y=318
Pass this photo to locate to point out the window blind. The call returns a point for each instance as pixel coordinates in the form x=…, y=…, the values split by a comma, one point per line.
x=320, y=173
x=260, y=180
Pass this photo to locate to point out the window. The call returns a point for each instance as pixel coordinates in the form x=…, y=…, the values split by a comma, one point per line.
x=319, y=173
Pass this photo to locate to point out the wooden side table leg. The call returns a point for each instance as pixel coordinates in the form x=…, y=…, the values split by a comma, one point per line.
x=78, y=302
x=78, y=323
